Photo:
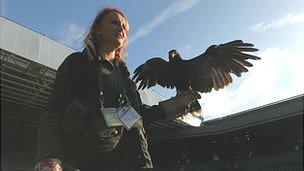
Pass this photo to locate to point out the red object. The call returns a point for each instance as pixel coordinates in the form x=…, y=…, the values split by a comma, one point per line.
x=48, y=164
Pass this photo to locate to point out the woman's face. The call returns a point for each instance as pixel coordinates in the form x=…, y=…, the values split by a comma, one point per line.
x=113, y=29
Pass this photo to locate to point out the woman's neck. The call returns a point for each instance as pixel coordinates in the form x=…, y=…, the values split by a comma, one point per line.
x=107, y=53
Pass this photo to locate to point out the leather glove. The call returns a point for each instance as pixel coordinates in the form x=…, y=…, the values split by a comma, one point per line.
x=179, y=105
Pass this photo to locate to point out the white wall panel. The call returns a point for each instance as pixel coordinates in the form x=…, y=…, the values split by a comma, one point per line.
x=31, y=45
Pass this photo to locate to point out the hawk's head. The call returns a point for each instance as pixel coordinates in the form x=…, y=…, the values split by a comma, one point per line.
x=174, y=55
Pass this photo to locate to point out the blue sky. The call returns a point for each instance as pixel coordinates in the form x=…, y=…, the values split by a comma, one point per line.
x=276, y=27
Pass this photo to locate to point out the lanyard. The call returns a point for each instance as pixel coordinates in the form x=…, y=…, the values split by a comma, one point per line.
x=120, y=83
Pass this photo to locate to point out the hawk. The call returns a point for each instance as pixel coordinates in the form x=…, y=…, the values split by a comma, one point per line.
x=209, y=70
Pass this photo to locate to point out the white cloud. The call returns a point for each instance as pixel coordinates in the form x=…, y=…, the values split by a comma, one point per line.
x=173, y=9
x=277, y=76
x=281, y=22
x=72, y=35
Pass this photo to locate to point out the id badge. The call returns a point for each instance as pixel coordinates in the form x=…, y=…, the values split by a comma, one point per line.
x=111, y=117
x=128, y=116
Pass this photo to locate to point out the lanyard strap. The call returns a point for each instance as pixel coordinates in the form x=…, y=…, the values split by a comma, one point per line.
x=120, y=83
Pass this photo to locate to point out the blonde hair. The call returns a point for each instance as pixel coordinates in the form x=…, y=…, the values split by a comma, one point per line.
x=91, y=39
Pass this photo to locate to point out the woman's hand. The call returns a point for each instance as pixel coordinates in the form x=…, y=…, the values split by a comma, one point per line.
x=49, y=165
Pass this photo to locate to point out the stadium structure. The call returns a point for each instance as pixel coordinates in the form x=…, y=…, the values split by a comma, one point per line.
x=268, y=137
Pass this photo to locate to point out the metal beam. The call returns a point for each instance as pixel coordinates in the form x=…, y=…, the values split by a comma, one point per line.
x=19, y=118
x=48, y=80
x=19, y=103
x=25, y=80
x=23, y=91
x=24, y=86
x=26, y=97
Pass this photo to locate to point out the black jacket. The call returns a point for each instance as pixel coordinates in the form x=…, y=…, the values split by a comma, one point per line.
x=77, y=78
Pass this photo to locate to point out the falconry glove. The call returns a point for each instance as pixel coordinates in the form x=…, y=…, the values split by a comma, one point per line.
x=179, y=105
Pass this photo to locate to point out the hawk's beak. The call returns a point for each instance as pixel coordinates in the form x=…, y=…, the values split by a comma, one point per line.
x=173, y=54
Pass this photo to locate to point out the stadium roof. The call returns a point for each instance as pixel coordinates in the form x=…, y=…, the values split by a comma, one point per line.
x=29, y=44
x=288, y=108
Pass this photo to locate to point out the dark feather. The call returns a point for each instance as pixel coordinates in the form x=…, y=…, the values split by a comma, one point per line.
x=152, y=72
x=210, y=70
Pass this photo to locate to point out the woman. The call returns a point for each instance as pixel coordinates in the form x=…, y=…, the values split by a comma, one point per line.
x=78, y=129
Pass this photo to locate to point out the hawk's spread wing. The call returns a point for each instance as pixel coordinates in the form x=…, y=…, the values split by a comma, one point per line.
x=152, y=72
x=213, y=68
